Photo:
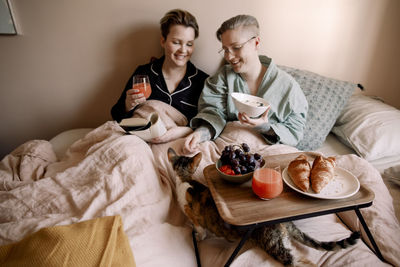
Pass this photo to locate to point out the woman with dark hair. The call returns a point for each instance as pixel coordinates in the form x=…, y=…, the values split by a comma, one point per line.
x=173, y=78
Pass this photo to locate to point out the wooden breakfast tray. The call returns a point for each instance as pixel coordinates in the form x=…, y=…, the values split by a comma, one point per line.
x=238, y=205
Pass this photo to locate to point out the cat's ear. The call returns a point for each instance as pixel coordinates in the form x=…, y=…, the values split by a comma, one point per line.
x=171, y=154
x=196, y=160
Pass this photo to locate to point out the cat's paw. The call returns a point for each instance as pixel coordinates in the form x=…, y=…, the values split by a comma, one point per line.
x=303, y=262
x=201, y=233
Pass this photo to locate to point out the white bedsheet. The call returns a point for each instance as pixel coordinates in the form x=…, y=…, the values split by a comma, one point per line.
x=386, y=166
x=107, y=173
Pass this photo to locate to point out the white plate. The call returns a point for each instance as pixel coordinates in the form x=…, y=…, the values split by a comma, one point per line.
x=343, y=185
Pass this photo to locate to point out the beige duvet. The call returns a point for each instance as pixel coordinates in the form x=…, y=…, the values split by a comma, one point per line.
x=109, y=173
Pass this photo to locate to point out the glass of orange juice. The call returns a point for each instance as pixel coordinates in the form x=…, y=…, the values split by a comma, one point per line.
x=267, y=182
x=142, y=83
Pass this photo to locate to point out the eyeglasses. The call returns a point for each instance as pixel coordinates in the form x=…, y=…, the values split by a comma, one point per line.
x=234, y=49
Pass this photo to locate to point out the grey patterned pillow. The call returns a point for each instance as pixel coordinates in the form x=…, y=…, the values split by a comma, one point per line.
x=326, y=98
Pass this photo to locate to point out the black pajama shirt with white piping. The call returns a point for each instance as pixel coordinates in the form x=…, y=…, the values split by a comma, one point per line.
x=184, y=98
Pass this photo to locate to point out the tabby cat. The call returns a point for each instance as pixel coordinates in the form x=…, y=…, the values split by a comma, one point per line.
x=196, y=202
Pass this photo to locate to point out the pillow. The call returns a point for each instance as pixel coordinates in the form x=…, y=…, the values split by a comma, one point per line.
x=96, y=242
x=370, y=127
x=326, y=98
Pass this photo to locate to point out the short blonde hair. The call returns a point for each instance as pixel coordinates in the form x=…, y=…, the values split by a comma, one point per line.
x=239, y=21
x=178, y=17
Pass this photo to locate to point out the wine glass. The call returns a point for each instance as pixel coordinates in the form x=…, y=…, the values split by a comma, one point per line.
x=142, y=83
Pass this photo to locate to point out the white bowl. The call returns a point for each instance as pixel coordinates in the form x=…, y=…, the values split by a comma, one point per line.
x=252, y=105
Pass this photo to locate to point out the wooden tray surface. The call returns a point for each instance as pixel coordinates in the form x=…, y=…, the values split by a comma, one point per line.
x=238, y=205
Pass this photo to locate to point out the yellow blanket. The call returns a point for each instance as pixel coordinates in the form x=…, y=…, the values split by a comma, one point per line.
x=97, y=242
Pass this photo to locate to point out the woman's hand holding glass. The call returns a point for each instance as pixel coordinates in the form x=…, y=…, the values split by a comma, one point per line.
x=141, y=90
x=133, y=98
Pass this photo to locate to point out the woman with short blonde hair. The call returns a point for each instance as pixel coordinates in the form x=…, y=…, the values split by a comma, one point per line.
x=248, y=72
x=239, y=21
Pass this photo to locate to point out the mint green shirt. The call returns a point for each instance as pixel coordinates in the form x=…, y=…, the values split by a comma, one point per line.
x=287, y=115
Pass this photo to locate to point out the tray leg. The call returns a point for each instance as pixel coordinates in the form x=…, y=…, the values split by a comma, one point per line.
x=240, y=245
x=370, y=237
x=196, y=250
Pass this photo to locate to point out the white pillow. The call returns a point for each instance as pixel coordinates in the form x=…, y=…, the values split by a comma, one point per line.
x=370, y=127
x=62, y=141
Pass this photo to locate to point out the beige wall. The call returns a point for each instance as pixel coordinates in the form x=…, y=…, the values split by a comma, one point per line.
x=72, y=59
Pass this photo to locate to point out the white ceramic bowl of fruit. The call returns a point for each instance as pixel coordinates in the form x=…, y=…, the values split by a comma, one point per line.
x=237, y=163
x=252, y=105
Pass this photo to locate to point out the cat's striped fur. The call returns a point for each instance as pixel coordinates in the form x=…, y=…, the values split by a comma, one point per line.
x=196, y=202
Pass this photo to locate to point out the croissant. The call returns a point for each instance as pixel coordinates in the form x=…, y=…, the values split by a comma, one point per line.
x=322, y=172
x=299, y=170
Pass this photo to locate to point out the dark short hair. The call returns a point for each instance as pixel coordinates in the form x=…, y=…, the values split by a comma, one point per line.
x=178, y=17
x=238, y=21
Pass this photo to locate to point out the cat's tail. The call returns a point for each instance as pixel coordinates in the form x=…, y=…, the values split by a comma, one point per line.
x=330, y=246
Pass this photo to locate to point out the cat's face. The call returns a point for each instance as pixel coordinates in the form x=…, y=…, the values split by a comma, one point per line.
x=184, y=166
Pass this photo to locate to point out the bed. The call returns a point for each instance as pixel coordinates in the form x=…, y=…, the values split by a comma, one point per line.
x=120, y=185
